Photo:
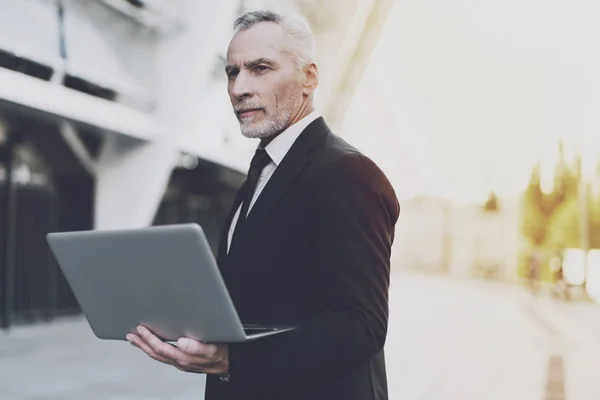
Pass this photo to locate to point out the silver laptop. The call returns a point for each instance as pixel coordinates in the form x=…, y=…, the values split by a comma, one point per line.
x=164, y=278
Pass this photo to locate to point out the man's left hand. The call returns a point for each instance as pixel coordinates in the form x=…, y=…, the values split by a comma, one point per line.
x=189, y=355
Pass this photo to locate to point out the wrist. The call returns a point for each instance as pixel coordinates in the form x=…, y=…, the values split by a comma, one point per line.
x=223, y=367
x=224, y=375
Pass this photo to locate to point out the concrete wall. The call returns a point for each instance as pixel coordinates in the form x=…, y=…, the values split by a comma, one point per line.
x=437, y=235
x=171, y=91
x=421, y=234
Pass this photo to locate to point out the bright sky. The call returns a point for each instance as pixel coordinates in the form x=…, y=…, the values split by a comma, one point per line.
x=461, y=97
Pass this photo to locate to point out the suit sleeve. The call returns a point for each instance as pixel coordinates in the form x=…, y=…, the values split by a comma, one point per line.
x=355, y=214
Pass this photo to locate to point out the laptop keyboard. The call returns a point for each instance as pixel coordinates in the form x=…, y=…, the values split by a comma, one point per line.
x=258, y=329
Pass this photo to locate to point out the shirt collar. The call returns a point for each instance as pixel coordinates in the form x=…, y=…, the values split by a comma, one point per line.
x=278, y=147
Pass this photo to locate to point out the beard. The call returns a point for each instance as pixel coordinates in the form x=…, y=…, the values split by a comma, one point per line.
x=273, y=122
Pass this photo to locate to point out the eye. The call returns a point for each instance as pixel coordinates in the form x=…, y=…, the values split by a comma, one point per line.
x=261, y=68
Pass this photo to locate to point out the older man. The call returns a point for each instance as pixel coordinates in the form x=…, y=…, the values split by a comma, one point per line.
x=307, y=243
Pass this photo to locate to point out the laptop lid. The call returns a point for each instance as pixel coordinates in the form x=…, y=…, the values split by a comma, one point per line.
x=163, y=277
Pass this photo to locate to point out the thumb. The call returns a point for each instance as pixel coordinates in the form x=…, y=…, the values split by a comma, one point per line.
x=191, y=346
x=196, y=348
x=187, y=345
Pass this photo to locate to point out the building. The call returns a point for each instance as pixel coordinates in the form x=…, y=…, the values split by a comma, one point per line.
x=440, y=236
x=113, y=114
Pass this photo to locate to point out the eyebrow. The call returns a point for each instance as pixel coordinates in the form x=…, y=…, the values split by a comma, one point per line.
x=250, y=64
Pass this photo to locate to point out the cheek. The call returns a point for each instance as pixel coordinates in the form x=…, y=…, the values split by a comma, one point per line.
x=276, y=91
x=268, y=96
x=287, y=91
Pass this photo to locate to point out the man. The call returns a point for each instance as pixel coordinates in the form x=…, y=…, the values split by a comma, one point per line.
x=307, y=243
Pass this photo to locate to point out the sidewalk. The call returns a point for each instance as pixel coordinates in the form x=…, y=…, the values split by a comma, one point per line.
x=457, y=339
x=576, y=329
x=65, y=361
x=448, y=339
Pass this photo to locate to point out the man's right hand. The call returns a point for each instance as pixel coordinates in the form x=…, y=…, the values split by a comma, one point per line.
x=188, y=356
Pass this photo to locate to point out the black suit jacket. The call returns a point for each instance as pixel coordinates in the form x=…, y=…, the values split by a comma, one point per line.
x=315, y=252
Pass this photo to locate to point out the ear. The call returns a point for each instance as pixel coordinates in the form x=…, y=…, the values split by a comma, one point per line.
x=311, y=79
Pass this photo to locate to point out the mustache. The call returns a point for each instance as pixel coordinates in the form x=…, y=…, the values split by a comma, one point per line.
x=247, y=106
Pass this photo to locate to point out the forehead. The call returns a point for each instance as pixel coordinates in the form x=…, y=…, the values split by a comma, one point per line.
x=265, y=39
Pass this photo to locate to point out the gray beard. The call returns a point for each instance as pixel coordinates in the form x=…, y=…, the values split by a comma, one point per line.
x=271, y=125
x=267, y=127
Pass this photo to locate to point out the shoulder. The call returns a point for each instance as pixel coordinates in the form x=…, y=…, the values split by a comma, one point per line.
x=341, y=171
x=336, y=159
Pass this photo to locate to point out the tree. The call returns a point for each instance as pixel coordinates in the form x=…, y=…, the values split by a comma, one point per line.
x=491, y=204
x=564, y=229
x=533, y=218
x=564, y=226
x=533, y=223
x=547, y=219
x=538, y=207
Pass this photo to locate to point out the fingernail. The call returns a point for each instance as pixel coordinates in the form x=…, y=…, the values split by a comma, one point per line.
x=139, y=329
x=129, y=338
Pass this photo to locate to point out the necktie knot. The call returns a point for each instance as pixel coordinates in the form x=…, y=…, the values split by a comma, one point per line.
x=260, y=160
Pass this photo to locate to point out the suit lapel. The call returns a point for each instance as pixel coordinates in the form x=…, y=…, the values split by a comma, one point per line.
x=290, y=167
x=296, y=159
x=222, y=252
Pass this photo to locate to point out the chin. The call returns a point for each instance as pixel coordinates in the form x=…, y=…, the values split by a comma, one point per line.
x=255, y=131
x=255, y=135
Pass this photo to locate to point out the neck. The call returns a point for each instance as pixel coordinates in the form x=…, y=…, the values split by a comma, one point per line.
x=305, y=109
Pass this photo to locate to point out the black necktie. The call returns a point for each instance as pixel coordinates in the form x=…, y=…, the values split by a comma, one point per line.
x=260, y=160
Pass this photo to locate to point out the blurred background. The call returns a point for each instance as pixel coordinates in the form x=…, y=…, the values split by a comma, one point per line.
x=484, y=115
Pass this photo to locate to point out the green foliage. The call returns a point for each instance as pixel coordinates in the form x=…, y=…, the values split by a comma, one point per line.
x=550, y=221
x=564, y=226
x=564, y=229
x=533, y=222
x=594, y=214
x=538, y=207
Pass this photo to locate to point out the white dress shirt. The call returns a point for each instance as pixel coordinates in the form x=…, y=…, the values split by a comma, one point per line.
x=276, y=149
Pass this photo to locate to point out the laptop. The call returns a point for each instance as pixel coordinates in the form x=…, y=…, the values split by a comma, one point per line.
x=164, y=278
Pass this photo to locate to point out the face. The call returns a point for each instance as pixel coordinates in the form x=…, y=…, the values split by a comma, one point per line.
x=266, y=87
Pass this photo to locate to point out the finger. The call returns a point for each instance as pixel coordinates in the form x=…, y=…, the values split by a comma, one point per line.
x=161, y=348
x=198, y=349
x=139, y=343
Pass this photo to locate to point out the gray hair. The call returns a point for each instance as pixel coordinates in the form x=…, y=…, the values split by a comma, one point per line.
x=295, y=26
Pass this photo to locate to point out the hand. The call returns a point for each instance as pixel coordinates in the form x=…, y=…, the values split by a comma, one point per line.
x=188, y=356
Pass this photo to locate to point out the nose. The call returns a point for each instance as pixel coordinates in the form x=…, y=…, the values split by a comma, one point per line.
x=241, y=88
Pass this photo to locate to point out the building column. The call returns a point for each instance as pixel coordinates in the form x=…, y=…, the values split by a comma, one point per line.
x=9, y=215
x=133, y=175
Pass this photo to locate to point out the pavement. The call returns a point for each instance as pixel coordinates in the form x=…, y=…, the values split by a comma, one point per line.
x=448, y=339
x=455, y=339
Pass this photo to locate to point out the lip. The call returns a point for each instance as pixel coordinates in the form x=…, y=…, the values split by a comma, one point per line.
x=248, y=112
